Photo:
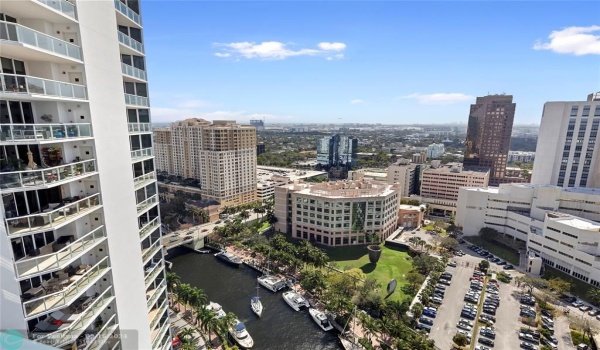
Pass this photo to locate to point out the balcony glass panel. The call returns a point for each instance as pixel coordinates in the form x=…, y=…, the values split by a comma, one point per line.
x=67, y=295
x=155, y=314
x=139, y=127
x=136, y=100
x=28, y=36
x=144, y=179
x=158, y=334
x=44, y=132
x=147, y=203
x=149, y=227
x=61, y=258
x=151, y=251
x=102, y=336
x=133, y=71
x=130, y=42
x=61, y=6
x=46, y=176
x=12, y=83
x=156, y=292
x=142, y=153
x=129, y=13
x=52, y=218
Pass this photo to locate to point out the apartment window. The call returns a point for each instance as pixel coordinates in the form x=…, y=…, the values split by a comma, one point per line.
x=574, y=110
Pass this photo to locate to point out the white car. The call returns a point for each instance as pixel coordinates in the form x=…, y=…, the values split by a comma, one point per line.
x=547, y=320
x=577, y=303
x=464, y=326
x=481, y=347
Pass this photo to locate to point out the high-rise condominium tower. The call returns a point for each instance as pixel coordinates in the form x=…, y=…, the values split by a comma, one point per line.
x=488, y=134
x=80, y=241
x=567, y=150
x=337, y=150
x=222, y=155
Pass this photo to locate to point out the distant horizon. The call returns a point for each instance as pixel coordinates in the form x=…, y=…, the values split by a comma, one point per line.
x=336, y=124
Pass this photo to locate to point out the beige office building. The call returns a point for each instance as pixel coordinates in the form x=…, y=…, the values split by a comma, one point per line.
x=221, y=154
x=338, y=213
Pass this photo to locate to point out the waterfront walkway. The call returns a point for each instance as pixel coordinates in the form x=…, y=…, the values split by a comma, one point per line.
x=178, y=323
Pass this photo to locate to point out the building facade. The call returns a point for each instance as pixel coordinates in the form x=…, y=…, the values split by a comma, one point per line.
x=338, y=213
x=163, y=149
x=410, y=216
x=567, y=151
x=488, y=134
x=558, y=224
x=337, y=151
x=407, y=175
x=80, y=236
x=520, y=156
x=435, y=150
x=440, y=185
x=221, y=155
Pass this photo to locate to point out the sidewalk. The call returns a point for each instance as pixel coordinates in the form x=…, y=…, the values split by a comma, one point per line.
x=178, y=323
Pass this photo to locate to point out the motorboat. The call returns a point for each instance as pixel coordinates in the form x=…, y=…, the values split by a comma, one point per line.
x=350, y=344
x=256, y=304
x=321, y=319
x=229, y=258
x=295, y=300
x=272, y=283
x=240, y=334
x=217, y=309
x=203, y=251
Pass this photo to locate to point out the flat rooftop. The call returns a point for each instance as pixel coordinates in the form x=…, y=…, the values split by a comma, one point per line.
x=264, y=174
x=345, y=189
x=574, y=221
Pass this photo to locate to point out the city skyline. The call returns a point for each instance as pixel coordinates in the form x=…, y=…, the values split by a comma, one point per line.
x=384, y=62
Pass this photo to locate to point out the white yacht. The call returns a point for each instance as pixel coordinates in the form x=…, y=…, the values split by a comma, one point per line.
x=350, y=344
x=271, y=282
x=321, y=319
x=295, y=300
x=217, y=309
x=256, y=304
x=240, y=334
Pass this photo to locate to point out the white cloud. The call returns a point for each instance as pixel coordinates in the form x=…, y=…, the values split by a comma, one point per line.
x=440, y=98
x=275, y=50
x=356, y=101
x=577, y=41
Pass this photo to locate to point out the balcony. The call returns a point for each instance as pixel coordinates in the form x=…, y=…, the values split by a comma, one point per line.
x=21, y=40
x=40, y=133
x=153, y=271
x=102, y=336
x=153, y=294
x=62, y=258
x=54, y=11
x=14, y=86
x=25, y=180
x=133, y=72
x=155, y=314
x=149, y=228
x=142, y=154
x=135, y=100
x=129, y=42
x=150, y=251
x=158, y=334
x=138, y=127
x=53, y=218
x=147, y=204
x=129, y=13
x=74, y=286
x=68, y=334
x=144, y=180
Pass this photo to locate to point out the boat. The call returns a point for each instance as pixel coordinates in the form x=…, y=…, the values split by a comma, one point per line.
x=321, y=319
x=348, y=339
x=295, y=300
x=240, y=334
x=271, y=282
x=217, y=309
x=229, y=258
x=203, y=251
x=256, y=304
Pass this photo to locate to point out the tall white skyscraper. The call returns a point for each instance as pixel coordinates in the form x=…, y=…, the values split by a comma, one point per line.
x=567, y=152
x=80, y=241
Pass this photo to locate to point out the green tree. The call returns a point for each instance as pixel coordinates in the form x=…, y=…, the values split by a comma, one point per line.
x=313, y=280
x=417, y=310
x=460, y=340
x=173, y=281
x=594, y=295
x=449, y=243
x=414, y=279
x=559, y=285
x=484, y=265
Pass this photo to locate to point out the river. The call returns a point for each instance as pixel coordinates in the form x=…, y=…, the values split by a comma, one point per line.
x=279, y=328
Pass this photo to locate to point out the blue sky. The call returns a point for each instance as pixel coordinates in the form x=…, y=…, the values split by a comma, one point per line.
x=394, y=62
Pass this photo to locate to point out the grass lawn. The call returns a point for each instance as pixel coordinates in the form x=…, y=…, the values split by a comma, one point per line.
x=263, y=226
x=510, y=255
x=578, y=338
x=578, y=287
x=393, y=264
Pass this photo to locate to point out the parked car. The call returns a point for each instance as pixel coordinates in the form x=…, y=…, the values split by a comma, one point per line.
x=577, y=303
x=426, y=320
x=508, y=267
x=528, y=346
x=594, y=312
x=487, y=332
x=486, y=341
x=585, y=308
x=452, y=264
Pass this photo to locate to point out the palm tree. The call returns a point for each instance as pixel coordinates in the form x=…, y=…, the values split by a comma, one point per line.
x=259, y=210
x=428, y=247
x=203, y=215
x=173, y=281
x=224, y=324
x=185, y=333
x=184, y=294
x=244, y=214
x=197, y=297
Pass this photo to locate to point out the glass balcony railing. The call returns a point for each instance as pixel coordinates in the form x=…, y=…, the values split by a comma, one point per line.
x=131, y=42
x=63, y=6
x=102, y=336
x=155, y=314
x=129, y=13
x=133, y=71
x=61, y=258
x=158, y=335
x=151, y=251
x=147, y=203
x=139, y=127
x=16, y=32
x=67, y=295
x=46, y=176
x=156, y=292
x=144, y=179
x=68, y=334
x=24, y=84
x=142, y=153
x=136, y=100
x=44, y=132
x=52, y=218
x=149, y=227
x=153, y=272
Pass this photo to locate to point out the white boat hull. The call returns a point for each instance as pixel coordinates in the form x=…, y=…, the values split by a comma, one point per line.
x=350, y=345
x=257, y=307
x=320, y=319
x=271, y=283
x=243, y=338
x=289, y=299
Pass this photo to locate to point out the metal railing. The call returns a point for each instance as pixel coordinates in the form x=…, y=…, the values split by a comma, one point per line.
x=16, y=32
x=129, y=13
x=142, y=153
x=139, y=127
x=147, y=203
x=136, y=100
x=61, y=258
x=63, y=6
x=73, y=331
x=153, y=274
x=44, y=132
x=46, y=176
x=160, y=334
x=161, y=310
x=160, y=289
x=103, y=334
x=52, y=218
x=24, y=84
x=143, y=179
x=149, y=227
x=133, y=71
x=67, y=295
x=131, y=42
x=151, y=251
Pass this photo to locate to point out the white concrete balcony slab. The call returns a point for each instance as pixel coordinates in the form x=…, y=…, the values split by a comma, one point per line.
x=44, y=133
x=152, y=272
x=25, y=87
x=150, y=252
x=158, y=334
x=128, y=13
x=26, y=180
x=133, y=73
x=135, y=128
x=136, y=101
x=146, y=204
x=130, y=45
x=149, y=227
x=144, y=180
x=103, y=335
x=152, y=295
x=54, y=11
x=142, y=154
